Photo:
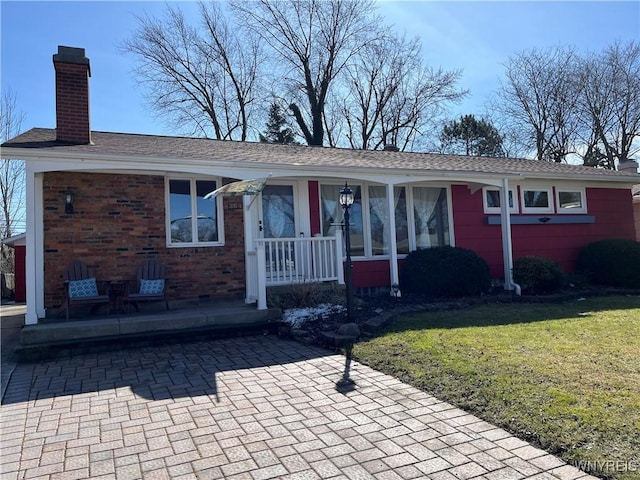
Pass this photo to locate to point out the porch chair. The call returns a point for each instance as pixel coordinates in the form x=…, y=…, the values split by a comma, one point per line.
x=151, y=281
x=81, y=288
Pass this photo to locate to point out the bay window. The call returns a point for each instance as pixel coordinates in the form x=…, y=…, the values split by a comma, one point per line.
x=332, y=215
x=421, y=218
x=379, y=219
x=402, y=220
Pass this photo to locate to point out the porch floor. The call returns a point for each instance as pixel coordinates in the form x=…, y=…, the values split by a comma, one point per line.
x=189, y=319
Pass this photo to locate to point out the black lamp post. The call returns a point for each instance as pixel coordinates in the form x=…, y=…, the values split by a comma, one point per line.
x=346, y=200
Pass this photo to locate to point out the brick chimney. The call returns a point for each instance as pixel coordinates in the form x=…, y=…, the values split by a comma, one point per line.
x=630, y=166
x=72, y=95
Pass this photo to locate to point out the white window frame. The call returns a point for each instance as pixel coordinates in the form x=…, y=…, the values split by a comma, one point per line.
x=366, y=217
x=366, y=227
x=514, y=199
x=564, y=210
x=534, y=188
x=219, y=212
x=411, y=219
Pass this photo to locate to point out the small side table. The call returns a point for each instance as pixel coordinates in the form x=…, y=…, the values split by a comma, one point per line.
x=118, y=293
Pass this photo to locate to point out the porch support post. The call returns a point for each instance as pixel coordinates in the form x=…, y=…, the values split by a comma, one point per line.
x=507, y=247
x=393, y=249
x=249, y=255
x=34, y=255
x=339, y=259
x=262, y=276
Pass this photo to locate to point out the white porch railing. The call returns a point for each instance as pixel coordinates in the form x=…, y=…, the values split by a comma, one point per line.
x=285, y=261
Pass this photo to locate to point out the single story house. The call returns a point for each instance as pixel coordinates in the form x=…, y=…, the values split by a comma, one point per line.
x=115, y=199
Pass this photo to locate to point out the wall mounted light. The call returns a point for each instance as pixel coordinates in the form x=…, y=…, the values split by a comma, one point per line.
x=68, y=198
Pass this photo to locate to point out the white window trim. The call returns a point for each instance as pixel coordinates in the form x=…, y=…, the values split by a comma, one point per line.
x=366, y=227
x=581, y=190
x=411, y=213
x=364, y=196
x=219, y=211
x=534, y=188
x=498, y=210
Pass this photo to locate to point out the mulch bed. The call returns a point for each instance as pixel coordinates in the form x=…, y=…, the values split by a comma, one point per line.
x=373, y=313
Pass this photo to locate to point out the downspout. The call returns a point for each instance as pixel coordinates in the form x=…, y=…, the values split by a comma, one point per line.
x=507, y=246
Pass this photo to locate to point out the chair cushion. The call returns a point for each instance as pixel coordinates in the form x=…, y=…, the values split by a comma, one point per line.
x=83, y=288
x=151, y=287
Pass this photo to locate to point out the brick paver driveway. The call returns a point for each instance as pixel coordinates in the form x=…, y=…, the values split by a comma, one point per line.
x=254, y=408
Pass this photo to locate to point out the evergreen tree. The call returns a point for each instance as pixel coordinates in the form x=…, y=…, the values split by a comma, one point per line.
x=469, y=136
x=278, y=129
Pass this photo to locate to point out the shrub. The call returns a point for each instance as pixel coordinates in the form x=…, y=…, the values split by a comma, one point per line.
x=304, y=294
x=445, y=272
x=538, y=275
x=613, y=262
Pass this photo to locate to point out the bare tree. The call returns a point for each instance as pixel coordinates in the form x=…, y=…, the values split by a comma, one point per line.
x=204, y=84
x=610, y=101
x=372, y=80
x=539, y=96
x=392, y=97
x=314, y=40
x=417, y=107
x=12, y=178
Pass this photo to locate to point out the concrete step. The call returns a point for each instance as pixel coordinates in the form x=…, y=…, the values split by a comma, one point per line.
x=42, y=340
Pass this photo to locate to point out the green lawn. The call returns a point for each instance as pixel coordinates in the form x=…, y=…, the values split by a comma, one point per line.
x=565, y=377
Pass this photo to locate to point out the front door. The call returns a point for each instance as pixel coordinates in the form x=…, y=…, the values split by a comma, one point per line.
x=277, y=215
x=277, y=220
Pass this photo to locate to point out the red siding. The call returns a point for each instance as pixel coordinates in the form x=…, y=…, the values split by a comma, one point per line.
x=371, y=273
x=612, y=209
x=314, y=207
x=20, y=292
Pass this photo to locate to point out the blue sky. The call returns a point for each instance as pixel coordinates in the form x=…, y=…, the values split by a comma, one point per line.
x=476, y=37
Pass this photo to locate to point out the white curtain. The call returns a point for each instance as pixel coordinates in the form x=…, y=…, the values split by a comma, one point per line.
x=278, y=211
x=425, y=201
x=379, y=206
x=274, y=220
x=331, y=208
x=402, y=229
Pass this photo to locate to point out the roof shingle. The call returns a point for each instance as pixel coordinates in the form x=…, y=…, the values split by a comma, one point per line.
x=141, y=147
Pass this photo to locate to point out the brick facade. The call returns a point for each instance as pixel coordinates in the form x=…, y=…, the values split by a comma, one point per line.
x=118, y=221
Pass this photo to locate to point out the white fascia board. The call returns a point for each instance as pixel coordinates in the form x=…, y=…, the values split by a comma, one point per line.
x=574, y=177
x=49, y=160
x=248, y=170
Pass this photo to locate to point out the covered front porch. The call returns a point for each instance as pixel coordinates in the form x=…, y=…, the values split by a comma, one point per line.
x=133, y=220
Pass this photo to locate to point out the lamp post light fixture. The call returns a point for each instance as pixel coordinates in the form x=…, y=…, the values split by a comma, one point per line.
x=395, y=288
x=346, y=200
x=68, y=198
